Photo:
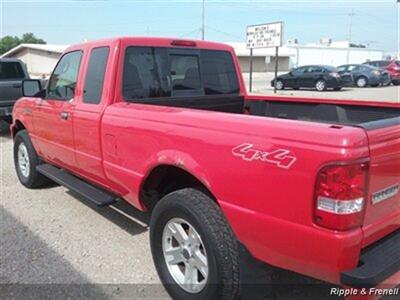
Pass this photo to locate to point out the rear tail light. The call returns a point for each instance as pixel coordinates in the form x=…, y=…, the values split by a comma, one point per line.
x=340, y=196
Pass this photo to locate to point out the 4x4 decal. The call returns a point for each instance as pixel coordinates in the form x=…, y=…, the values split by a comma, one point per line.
x=280, y=157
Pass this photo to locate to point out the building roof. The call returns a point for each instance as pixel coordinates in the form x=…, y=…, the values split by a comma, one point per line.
x=41, y=47
x=290, y=49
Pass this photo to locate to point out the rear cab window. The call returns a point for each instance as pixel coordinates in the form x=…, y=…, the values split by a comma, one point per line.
x=154, y=73
x=94, y=79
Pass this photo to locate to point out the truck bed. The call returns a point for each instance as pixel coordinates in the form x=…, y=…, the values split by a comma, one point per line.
x=313, y=110
x=368, y=117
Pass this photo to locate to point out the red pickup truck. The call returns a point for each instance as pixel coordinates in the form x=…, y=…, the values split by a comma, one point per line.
x=309, y=185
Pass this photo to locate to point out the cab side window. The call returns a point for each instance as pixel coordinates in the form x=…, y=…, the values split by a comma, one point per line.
x=95, y=75
x=299, y=71
x=62, y=82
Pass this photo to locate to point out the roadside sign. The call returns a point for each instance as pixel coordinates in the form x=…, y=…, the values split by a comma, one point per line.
x=264, y=35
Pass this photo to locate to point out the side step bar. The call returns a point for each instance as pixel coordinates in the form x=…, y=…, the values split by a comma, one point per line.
x=82, y=188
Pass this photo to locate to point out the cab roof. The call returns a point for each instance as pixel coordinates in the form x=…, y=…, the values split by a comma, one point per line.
x=155, y=42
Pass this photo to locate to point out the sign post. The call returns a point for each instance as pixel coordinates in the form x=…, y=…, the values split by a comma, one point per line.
x=264, y=36
x=251, y=70
x=276, y=66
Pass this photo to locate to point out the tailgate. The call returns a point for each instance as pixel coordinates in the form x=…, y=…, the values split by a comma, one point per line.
x=383, y=206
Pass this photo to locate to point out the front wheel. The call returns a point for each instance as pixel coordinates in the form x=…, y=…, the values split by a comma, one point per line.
x=26, y=160
x=279, y=85
x=194, y=249
x=396, y=82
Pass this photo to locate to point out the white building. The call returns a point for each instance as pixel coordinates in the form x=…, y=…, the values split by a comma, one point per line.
x=39, y=59
x=293, y=55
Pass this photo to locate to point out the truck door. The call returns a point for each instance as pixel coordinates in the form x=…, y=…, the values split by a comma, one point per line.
x=88, y=113
x=53, y=117
x=294, y=79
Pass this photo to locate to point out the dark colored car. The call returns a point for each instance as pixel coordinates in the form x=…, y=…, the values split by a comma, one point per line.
x=317, y=76
x=365, y=75
x=12, y=72
x=391, y=66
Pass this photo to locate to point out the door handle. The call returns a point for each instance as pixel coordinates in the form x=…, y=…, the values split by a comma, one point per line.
x=64, y=115
x=17, y=85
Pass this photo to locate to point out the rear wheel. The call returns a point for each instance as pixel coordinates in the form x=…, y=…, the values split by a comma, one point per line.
x=320, y=85
x=396, y=82
x=361, y=82
x=194, y=248
x=26, y=160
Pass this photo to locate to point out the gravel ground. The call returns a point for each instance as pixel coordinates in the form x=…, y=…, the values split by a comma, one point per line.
x=261, y=84
x=54, y=243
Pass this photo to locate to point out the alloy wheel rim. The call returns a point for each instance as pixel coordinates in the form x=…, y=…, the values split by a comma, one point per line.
x=185, y=255
x=320, y=85
x=23, y=160
x=361, y=82
x=279, y=85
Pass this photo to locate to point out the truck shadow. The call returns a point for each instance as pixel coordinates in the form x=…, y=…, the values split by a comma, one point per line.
x=122, y=214
x=259, y=280
x=30, y=269
x=4, y=129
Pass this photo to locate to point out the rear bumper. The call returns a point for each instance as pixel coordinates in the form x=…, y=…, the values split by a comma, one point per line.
x=377, y=263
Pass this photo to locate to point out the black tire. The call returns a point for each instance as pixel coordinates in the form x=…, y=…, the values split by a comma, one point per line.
x=320, y=85
x=34, y=179
x=361, y=81
x=396, y=82
x=219, y=242
x=279, y=85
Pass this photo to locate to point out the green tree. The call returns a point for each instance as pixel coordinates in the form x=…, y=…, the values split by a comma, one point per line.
x=8, y=42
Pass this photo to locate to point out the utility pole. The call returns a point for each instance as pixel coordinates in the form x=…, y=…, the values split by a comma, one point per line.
x=203, y=7
x=351, y=15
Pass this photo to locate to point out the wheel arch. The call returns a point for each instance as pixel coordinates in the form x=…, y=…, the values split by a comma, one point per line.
x=165, y=178
x=17, y=126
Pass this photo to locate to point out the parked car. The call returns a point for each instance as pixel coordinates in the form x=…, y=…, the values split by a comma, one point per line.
x=12, y=72
x=309, y=185
x=391, y=66
x=365, y=75
x=318, y=77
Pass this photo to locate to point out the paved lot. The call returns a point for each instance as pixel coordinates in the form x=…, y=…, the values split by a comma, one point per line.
x=53, y=242
x=261, y=84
